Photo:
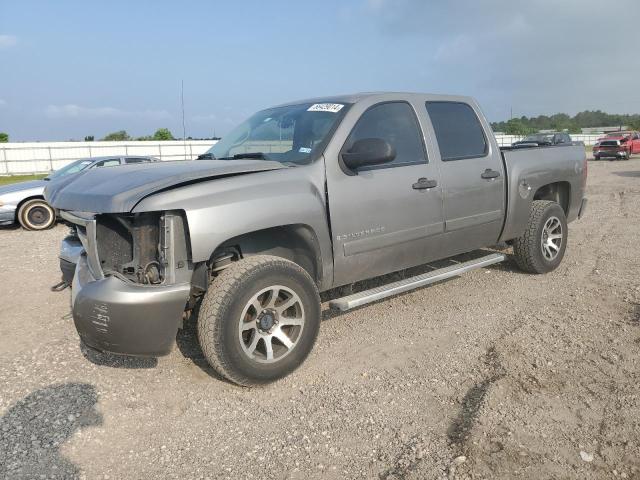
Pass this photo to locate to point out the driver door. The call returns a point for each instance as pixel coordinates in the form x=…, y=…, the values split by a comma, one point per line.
x=383, y=216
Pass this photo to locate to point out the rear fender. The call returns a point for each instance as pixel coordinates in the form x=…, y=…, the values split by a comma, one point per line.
x=550, y=173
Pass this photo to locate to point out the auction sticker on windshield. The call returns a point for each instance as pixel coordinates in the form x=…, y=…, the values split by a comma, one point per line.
x=325, y=107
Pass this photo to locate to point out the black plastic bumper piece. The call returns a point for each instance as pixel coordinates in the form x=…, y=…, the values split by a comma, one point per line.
x=583, y=208
x=68, y=269
x=115, y=316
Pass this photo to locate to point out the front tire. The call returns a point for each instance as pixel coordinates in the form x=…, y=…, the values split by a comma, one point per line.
x=36, y=214
x=259, y=320
x=541, y=248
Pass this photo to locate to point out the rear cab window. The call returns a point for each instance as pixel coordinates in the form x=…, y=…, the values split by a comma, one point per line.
x=458, y=130
x=136, y=160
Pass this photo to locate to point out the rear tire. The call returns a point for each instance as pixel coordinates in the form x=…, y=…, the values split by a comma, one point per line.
x=259, y=320
x=36, y=214
x=541, y=248
x=596, y=157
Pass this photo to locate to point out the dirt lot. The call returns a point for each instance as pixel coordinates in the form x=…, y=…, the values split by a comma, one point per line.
x=496, y=374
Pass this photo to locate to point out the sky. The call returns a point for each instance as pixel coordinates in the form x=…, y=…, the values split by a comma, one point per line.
x=74, y=68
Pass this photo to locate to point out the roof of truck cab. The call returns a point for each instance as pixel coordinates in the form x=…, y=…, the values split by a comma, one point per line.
x=382, y=96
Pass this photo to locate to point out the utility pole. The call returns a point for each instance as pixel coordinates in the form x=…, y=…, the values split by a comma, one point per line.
x=184, y=129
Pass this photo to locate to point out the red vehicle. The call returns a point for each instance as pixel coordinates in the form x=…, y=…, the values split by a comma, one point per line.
x=617, y=145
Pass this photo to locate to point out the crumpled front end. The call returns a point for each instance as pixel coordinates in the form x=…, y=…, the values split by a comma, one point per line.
x=132, y=282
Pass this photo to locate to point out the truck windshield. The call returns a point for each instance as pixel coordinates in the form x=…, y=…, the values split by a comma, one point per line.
x=291, y=134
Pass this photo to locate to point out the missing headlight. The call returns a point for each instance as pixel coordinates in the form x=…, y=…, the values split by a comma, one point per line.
x=147, y=248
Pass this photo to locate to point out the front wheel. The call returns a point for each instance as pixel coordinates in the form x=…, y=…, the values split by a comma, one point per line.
x=259, y=320
x=541, y=248
x=36, y=214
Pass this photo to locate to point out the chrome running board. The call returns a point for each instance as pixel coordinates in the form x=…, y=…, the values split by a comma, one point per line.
x=384, y=291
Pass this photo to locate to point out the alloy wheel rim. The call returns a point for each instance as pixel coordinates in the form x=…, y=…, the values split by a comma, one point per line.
x=271, y=324
x=551, y=240
x=38, y=216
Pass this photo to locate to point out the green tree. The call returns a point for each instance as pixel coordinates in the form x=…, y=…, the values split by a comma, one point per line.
x=517, y=126
x=163, y=134
x=119, y=136
x=4, y=137
x=89, y=138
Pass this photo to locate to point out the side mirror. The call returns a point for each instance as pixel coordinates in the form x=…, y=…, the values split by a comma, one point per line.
x=367, y=152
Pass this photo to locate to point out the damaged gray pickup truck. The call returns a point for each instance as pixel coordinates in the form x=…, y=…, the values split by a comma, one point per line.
x=299, y=199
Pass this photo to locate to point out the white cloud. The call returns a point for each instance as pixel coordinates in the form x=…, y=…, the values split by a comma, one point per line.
x=7, y=41
x=77, y=111
x=537, y=57
x=2, y=103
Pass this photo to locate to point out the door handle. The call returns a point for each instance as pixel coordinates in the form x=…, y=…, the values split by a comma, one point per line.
x=424, y=183
x=489, y=174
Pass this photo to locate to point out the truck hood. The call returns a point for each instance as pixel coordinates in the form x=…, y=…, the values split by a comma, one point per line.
x=119, y=189
x=22, y=186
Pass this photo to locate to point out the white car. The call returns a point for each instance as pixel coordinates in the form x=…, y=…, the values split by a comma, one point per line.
x=24, y=202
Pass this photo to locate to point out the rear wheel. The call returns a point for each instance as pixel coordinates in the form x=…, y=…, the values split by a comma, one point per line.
x=541, y=248
x=259, y=320
x=36, y=214
x=596, y=157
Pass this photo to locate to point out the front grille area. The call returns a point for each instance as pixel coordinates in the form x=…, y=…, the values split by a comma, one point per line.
x=128, y=246
x=115, y=243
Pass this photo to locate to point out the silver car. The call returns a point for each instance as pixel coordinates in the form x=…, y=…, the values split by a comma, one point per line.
x=24, y=202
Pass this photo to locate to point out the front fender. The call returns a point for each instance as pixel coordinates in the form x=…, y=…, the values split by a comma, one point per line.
x=221, y=209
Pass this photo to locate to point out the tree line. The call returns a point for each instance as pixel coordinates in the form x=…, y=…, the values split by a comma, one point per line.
x=561, y=121
x=160, y=134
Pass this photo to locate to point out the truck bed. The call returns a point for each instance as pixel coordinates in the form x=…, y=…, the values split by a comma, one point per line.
x=529, y=169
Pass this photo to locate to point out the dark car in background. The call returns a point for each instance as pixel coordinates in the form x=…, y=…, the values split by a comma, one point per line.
x=617, y=146
x=24, y=202
x=543, y=140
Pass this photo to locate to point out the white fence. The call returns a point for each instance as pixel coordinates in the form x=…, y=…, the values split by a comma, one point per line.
x=42, y=157
x=506, y=140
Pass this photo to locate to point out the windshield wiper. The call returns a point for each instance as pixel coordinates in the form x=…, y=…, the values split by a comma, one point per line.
x=237, y=156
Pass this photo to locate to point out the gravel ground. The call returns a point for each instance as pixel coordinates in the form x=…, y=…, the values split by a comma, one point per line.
x=495, y=374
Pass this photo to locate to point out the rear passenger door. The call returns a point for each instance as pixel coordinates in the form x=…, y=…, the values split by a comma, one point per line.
x=472, y=176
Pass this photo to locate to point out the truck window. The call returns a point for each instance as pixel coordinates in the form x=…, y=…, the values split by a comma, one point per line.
x=108, y=163
x=458, y=130
x=135, y=160
x=396, y=123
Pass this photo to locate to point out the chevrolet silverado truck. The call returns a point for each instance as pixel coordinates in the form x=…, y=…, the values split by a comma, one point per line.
x=299, y=199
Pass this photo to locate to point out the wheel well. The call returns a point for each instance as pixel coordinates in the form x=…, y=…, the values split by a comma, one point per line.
x=559, y=192
x=296, y=242
x=25, y=200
